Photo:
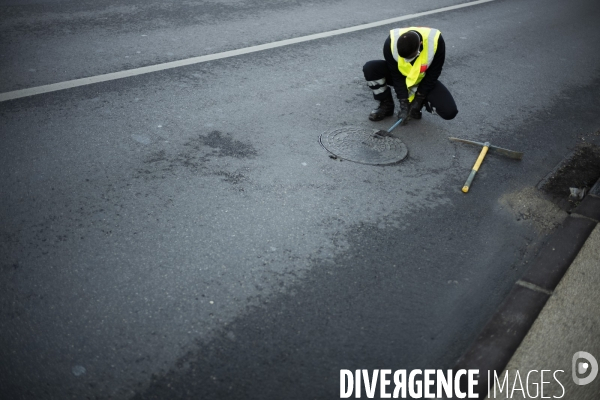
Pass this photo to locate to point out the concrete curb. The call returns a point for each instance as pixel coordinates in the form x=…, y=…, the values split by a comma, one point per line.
x=503, y=334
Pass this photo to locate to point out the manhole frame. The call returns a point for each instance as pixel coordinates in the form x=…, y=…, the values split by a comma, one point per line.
x=362, y=162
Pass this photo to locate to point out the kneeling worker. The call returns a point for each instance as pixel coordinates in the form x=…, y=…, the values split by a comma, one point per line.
x=414, y=58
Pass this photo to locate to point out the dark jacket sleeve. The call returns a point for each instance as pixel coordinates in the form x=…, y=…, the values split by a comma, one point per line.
x=431, y=75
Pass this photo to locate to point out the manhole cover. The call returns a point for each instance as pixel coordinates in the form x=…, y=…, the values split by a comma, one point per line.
x=363, y=146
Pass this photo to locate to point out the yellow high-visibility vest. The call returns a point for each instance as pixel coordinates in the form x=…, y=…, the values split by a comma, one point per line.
x=416, y=72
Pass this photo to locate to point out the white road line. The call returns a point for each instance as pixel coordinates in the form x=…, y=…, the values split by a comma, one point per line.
x=197, y=60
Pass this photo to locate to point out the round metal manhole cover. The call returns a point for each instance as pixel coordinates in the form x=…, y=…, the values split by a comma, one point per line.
x=363, y=146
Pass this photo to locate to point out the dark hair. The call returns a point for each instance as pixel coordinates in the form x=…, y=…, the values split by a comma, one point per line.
x=408, y=44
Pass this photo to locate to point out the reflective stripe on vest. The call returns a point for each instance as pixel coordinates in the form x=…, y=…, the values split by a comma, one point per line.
x=416, y=72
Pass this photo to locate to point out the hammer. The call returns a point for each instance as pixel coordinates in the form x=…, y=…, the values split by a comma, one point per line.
x=486, y=147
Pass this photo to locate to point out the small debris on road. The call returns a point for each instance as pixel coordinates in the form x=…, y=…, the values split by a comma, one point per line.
x=577, y=193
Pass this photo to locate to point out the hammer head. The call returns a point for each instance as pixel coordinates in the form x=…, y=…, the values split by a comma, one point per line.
x=516, y=155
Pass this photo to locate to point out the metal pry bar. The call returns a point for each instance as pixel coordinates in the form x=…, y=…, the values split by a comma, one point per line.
x=389, y=131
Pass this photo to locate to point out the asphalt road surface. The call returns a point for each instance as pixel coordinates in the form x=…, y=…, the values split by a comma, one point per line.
x=182, y=234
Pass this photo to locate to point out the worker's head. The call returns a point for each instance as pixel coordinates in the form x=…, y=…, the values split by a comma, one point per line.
x=409, y=45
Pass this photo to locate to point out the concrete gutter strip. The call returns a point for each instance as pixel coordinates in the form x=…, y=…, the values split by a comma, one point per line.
x=589, y=208
x=511, y=324
x=559, y=252
x=503, y=334
x=595, y=190
x=569, y=323
x=533, y=287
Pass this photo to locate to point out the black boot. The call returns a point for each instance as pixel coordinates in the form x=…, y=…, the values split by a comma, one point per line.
x=385, y=109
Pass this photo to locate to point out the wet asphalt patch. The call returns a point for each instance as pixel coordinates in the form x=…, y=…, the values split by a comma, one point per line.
x=194, y=157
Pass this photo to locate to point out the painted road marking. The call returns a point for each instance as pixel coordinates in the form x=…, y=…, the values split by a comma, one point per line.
x=217, y=56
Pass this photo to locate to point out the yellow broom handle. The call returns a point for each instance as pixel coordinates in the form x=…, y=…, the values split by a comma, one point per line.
x=486, y=146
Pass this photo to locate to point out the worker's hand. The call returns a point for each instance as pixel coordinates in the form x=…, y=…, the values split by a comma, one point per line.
x=416, y=104
x=403, y=112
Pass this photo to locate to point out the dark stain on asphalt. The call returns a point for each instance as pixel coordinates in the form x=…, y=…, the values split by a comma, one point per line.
x=195, y=156
x=226, y=146
x=231, y=177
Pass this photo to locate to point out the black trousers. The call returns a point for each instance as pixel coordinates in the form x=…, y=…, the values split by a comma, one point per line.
x=380, y=80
